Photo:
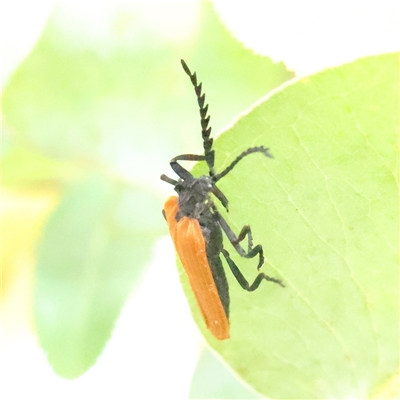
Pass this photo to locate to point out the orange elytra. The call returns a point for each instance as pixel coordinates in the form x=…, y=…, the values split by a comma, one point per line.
x=191, y=248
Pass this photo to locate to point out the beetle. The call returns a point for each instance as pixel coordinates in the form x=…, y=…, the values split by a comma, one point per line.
x=196, y=227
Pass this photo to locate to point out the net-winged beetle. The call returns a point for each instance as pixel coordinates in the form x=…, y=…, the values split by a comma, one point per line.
x=196, y=229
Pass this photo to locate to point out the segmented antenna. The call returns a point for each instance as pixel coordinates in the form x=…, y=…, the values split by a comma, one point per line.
x=204, y=120
x=251, y=150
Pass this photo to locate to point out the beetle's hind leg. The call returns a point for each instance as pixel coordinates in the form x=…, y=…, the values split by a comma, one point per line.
x=243, y=281
x=251, y=251
x=235, y=240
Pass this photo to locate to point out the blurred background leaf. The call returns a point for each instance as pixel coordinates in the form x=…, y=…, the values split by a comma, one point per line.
x=95, y=113
x=89, y=256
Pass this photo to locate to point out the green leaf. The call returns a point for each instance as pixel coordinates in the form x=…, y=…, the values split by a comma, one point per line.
x=326, y=211
x=23, y=167
x=212, y=380
x=93, y=250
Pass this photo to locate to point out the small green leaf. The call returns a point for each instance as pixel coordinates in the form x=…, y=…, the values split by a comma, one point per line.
x=93, y=250
x=326, y=211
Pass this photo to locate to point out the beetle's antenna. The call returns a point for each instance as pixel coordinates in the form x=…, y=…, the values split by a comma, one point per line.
x=251, y=150
x=204, y=120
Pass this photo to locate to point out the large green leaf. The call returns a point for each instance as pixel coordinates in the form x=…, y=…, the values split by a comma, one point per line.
x=325, y=210
x=213, y=380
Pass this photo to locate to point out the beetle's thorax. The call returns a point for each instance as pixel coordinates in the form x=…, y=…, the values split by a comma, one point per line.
x=194, y=196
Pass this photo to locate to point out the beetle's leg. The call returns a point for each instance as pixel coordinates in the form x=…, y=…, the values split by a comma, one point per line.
x=235, y=240
x=209, y=154
x=179, y=170
x=246, y=230
x=165, y=178
x=220, y=196
x=243, y=281
x=251, y=150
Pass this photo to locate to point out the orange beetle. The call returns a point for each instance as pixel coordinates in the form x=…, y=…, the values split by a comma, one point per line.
x=196, y=227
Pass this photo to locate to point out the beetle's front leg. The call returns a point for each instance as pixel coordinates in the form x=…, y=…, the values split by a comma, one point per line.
x=179, y=170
